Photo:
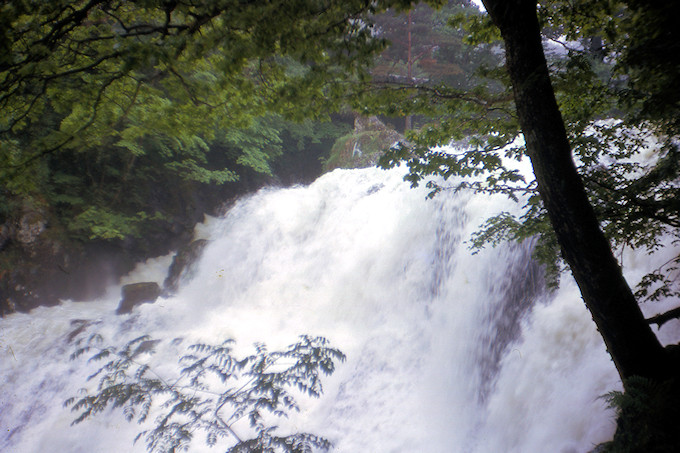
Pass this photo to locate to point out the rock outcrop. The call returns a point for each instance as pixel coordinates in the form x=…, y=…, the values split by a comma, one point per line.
x=363, y=146
x=136, y=294
x=44, y=269
x=182, y=264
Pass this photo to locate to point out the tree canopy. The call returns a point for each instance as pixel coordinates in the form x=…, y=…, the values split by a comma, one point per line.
x=101, y=96
x=608, y=118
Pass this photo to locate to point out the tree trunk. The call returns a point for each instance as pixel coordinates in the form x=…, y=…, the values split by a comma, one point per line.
x=629, y=339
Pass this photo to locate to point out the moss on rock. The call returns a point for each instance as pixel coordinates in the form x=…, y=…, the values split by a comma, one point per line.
x=363, y=146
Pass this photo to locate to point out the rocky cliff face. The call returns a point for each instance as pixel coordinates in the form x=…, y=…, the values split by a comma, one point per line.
x=40, y=263
x=363, y=146
x=39, y=266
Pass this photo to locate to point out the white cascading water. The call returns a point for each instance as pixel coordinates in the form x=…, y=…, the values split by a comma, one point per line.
x=447, y=351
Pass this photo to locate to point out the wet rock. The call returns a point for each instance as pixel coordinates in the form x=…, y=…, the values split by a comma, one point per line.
x=136, y=294
x=182, y=263
x=29, y=227
x=49, y=270
x=5, y=235
x=363, y=146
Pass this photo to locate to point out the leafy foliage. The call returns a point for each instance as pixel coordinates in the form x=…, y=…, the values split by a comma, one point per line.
x=647, y=414
x=648, y=41
x=438, y=53
x=469, y=105
x=97, y=223
x=629, y=164
x=103, y=99
x=212, y=391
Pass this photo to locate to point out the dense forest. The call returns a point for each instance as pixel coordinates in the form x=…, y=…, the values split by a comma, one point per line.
x=134, y=150
x=124, y=123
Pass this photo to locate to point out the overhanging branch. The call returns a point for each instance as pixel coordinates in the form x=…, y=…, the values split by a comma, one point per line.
x=663, y=318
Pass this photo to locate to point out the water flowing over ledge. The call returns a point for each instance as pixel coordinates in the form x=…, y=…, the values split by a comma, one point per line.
x=447, y=351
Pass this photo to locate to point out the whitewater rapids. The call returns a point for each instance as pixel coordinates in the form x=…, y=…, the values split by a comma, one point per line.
x=447, y=351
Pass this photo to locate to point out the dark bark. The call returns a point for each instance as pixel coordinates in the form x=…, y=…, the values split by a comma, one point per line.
x=663, y=318
x=629, y=339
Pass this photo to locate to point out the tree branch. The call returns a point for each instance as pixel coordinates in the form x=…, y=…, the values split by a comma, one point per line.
x=663, y=318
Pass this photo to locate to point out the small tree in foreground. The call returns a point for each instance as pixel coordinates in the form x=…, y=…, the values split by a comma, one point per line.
x=211, y=392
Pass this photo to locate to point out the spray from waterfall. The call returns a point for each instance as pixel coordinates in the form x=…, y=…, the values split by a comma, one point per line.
x=446, y=351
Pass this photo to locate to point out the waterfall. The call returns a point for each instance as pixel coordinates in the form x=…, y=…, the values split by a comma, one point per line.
x=447, y=351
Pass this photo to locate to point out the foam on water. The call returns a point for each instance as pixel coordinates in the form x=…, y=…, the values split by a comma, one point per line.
x=447, y=351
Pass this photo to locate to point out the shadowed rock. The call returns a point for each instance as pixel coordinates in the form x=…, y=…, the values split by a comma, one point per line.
x=136, y=294
x=181, y=264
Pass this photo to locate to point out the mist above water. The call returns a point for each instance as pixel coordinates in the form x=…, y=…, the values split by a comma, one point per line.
x=447, y=351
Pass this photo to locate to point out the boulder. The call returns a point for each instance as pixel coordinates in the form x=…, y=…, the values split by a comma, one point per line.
x=136, y=294
x=181, y=264
x=363, y=146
